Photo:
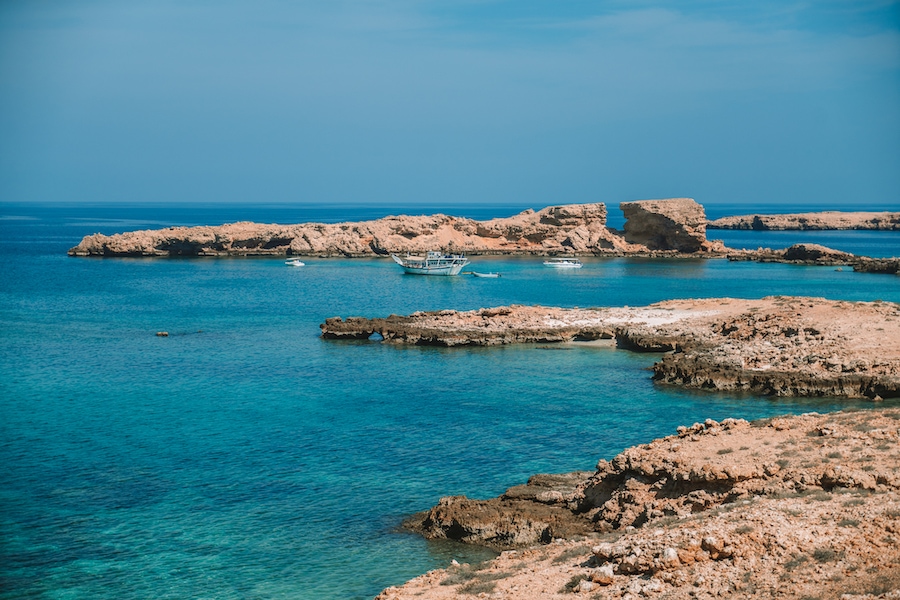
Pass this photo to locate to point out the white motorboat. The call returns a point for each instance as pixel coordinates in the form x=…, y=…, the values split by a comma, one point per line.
x=477, y=274
x=294, y=262
x=559, y=262
x=433, y=263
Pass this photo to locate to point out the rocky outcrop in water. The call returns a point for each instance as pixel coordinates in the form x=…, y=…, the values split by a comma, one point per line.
x=675, y=224
x=818, y=255
x=781, y=346
x=827, y=220
x=790, y=507
x=575, y=229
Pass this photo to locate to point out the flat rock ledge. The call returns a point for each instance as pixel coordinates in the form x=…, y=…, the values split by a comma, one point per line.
x=827, y=220
x=791, y=507
x=780, y=346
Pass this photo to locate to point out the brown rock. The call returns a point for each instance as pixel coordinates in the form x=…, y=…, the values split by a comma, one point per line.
x=675, y=224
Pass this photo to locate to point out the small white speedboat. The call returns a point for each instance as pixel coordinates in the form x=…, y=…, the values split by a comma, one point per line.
x=563, y=263
x=294, y=262
x=477, y=274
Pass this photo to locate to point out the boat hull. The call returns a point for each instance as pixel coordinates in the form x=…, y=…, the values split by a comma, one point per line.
x=452, y=270
x=434, y=263
x=567, y=264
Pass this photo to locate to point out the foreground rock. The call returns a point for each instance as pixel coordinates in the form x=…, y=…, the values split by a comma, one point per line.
x=570, y=229
x=782, y=346
x=792, y=507
x=811, y=221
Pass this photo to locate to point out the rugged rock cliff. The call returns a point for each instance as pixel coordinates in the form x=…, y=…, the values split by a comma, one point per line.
x=570, y=229
x=792, y=507
x=811, y=221
x=675, y=224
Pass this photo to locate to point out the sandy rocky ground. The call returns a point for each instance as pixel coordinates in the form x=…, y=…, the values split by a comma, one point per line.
x=804, y=507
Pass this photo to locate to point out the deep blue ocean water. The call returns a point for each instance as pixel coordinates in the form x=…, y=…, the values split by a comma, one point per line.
x=245, y=457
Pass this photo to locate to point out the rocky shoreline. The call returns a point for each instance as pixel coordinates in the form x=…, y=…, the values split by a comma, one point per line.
x=792, y=507
x=817, y=221
x=781, y=346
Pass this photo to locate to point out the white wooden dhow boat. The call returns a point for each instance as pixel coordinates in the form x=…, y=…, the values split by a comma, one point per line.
x=433, y=263
x=563, y=263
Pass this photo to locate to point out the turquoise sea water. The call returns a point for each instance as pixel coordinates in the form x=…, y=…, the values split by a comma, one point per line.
x=245, y=457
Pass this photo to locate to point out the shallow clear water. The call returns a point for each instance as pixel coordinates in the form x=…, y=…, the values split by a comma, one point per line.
x=243, y=456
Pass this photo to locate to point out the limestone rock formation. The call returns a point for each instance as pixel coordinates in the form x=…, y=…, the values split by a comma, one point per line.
x=555, y=229
x=816, y=254
x=525, y=514
x=789, y=507
x=675, y=224
x=783, y=346
x=811, y=221
x=569, y=229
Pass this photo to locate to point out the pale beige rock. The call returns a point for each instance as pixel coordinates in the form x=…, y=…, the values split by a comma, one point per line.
x=811, y=221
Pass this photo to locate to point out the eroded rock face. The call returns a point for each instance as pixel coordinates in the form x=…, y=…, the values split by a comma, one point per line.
x=704, y=466
x=538, y=511
x=674, y=224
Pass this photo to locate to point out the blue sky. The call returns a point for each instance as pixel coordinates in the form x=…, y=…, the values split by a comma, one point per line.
x=387, y=101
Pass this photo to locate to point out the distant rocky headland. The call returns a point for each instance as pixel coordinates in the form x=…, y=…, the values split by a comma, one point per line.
x=826, y=220
x=675, y=226
x=783, y=346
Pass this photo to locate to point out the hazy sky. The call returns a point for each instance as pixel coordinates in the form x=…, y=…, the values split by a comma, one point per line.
x=523, y=101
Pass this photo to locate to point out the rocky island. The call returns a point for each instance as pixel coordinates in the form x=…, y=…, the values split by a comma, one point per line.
x=784, y=346
x=816, y=221
x=670, y=226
